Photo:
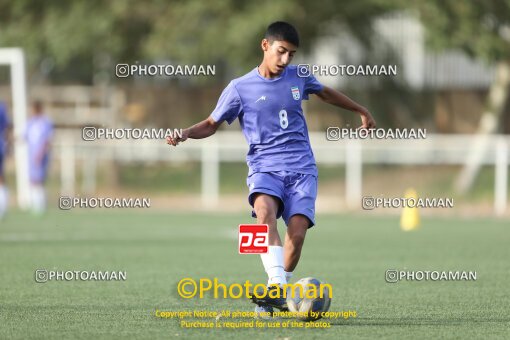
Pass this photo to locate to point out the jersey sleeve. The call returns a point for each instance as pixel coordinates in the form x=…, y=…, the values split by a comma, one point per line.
x=312, y=85
x=49, y=131
x=4, y=118
x=229, y=105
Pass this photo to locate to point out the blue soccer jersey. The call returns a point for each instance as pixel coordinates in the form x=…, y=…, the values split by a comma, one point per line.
x=4, y=124
x=272, y=120
x=39, y=132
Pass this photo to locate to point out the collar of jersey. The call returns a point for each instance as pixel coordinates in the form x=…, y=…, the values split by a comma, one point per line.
x=272, y=79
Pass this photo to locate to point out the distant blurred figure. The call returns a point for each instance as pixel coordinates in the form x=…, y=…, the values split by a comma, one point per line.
x=5, y=125
x=38, y=134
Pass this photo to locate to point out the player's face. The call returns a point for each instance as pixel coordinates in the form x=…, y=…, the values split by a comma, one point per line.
x=36, y=110
x=277, y=55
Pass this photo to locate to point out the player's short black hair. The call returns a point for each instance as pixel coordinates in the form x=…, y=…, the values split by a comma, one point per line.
x=37, y=105
x=283, y=31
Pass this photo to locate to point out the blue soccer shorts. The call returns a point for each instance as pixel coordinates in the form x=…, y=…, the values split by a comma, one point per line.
x=1, y=163
x=38, y=170
x=297, y=192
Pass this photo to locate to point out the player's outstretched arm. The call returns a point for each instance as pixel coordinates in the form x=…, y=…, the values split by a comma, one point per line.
x=339, y=99
x=200, y=130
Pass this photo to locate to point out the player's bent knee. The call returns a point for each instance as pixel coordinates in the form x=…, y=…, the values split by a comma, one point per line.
x=299, y=221
x=265, y=207
x=297, y=239
x=265, y=213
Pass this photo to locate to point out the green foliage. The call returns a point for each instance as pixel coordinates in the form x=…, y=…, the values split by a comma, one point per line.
x=76, y=34
x=480, y=28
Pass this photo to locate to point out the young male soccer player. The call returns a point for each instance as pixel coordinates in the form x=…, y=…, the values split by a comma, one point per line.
x=38, y=135
x=5, y=125
x=282, y=178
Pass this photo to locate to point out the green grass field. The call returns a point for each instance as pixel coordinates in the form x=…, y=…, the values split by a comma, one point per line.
x=158, y=249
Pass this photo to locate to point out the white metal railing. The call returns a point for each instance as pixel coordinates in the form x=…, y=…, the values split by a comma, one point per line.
x=231, y=147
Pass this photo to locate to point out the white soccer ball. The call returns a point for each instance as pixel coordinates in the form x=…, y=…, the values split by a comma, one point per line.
x=311, y=299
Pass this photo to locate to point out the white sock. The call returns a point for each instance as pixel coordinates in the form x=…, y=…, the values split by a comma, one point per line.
x=38, y=199
x=288, y=276
x=273, y=265
x=33, y=198
x=42, y=199
x=4, y=200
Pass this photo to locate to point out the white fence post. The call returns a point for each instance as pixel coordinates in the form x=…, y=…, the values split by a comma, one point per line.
x=501, y=176
x=15, y=58
x=210, y=173
x=67, y=164
x=353, y=174
x=89, y=173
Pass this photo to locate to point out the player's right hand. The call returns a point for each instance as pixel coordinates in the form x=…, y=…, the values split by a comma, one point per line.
x=367, y=121
x=175, y=140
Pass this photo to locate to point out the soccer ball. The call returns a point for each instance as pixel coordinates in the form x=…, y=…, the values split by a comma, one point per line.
x=311, y=302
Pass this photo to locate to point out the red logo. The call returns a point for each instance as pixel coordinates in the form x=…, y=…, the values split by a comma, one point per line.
x=253, y=238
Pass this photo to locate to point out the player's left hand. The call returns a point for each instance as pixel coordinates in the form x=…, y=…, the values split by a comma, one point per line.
x=367, y=121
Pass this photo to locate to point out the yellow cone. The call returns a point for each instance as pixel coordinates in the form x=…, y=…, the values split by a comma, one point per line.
x=410, y=218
